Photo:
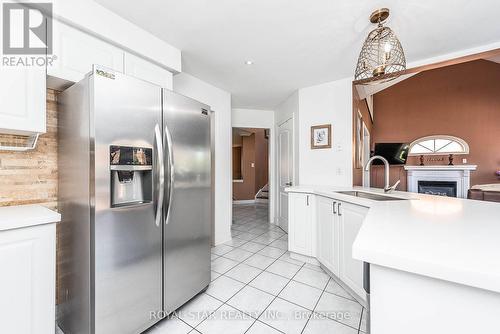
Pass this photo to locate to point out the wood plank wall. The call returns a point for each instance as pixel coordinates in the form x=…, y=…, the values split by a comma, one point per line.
x=31, y=177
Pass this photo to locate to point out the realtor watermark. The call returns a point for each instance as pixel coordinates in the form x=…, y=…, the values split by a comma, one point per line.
x=27, y=34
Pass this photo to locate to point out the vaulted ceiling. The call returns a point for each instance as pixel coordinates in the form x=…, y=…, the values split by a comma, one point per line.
x=298, y=43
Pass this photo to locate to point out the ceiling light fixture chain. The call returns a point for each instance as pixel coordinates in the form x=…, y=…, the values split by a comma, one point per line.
x=382, y=52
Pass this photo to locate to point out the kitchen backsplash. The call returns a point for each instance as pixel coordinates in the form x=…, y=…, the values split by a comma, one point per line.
x=31, y=177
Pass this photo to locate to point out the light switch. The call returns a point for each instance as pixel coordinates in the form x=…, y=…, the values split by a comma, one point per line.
x=464, y=160
x=252, y=164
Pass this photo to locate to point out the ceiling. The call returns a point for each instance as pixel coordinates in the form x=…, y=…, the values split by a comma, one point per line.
x=299, y=43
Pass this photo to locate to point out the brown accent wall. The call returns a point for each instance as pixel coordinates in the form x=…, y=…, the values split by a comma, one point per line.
x=460, y=100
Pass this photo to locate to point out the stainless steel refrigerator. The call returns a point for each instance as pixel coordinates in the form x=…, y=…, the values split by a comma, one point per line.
x=135, y=197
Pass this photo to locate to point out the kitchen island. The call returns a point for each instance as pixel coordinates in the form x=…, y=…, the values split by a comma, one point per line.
x=431, y=260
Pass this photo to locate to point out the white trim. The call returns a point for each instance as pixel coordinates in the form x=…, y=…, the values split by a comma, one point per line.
x=238, y=181
x=244, y=201
x=458, y=140
x=442, y=167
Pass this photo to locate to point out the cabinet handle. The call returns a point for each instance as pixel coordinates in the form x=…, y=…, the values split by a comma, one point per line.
x=307, y=200
x=334, y=212
x=338, y=209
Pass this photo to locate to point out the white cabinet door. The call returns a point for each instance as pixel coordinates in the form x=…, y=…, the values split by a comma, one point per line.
x=301, y=227
x=27, y=282
x=327, y=236
x=77, y=51
x=22, y=99
x=350, y=220
x=145, y=70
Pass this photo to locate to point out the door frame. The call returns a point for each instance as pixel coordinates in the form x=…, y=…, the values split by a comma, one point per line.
x=271, y=163
x=293, y=162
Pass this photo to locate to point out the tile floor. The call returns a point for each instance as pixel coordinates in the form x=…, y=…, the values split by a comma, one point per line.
x=258, y=289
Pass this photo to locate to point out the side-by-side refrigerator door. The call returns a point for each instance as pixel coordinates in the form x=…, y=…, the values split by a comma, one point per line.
x=187, y=205
x=128, y=200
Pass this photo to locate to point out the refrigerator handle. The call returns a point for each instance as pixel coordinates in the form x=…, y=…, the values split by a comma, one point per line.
x=161, y=176
x=171, y=176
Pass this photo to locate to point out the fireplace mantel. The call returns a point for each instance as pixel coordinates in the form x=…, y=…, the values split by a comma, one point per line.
x=455, y=173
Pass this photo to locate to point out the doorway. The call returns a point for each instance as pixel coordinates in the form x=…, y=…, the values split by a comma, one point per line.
x=250, y=172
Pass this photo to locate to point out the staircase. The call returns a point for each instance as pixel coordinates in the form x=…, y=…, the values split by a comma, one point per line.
x=262, y=195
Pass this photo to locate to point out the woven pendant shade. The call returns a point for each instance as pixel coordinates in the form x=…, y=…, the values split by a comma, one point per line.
x=381, y=53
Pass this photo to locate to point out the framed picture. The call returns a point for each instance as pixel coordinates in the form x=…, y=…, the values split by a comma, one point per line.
x=321, y=136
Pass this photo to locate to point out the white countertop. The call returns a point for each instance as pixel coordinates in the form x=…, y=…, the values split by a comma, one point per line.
x=452, y=239
x=12, y=217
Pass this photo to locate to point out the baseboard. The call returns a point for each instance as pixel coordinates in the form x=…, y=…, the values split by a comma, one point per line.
x=244, y=201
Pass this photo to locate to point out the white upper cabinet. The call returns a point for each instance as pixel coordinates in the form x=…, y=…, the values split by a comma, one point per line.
x=301, y=227
x=351, y=219
x=328, y=233
x=77, y=51
x=145, y=70
x=22, y=100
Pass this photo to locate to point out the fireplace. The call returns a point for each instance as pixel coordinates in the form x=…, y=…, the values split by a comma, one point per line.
x=439, y=188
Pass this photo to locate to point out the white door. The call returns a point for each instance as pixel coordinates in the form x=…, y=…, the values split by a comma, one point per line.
x=327, y=237
x=351, y=218
x=285, y=169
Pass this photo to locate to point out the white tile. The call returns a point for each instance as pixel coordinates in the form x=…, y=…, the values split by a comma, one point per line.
x=312, y=277
x=286, y=257
x=285, y=316
x=301, y=294
x=236, y=242
x=251, y=301
x=284, y=237
x=340, y=309
x=282, y=244
x=265, y=240
x=213, y=275
x=362, y=326
x=261, y=328
x=213, y=256
x=247, y=236
x=197, y=309
x=224, y=288
x=271, y=252
x=314, y=267
x=259, y=261
x=226, y=320
x=238, y=255
x=221, y=265
x=243, y=273
x=221, y=249
x=252, y=247
x=171, y=326
x=269, y=282
x=319, y=324
x=284, y=269
x=336, y=289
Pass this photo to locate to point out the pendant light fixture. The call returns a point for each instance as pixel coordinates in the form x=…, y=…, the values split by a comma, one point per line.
x=382, y=52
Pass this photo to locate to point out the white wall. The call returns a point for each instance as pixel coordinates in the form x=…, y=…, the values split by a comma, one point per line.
x=256, y=118
x=220, y=102
x=329, y=103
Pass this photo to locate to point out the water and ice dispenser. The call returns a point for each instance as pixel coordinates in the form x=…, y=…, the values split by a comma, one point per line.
x=131, y=175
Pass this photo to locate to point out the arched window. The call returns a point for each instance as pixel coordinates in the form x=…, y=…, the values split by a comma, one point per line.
x=439, y=145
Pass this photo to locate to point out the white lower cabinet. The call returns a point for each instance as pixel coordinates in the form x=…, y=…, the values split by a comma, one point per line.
x=328, y=233
x=301, y=226
x=350, y=220
x=145, y=70
x=326, y=229
x=27, y=281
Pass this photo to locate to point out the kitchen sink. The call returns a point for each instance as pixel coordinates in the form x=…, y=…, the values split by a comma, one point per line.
x=375, y=197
